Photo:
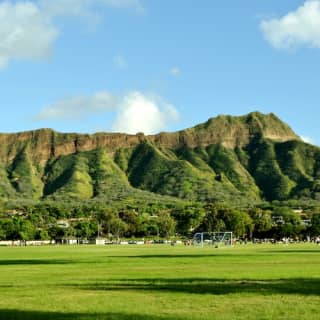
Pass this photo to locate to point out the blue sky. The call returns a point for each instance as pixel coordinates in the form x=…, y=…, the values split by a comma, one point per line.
x=150, y=65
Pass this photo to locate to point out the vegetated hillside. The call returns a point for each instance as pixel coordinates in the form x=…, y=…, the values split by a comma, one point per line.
x=234, y=159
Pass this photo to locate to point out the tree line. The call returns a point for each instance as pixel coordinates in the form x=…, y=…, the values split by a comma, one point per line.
x=45, y=221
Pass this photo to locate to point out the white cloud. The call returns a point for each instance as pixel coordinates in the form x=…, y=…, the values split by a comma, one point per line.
x=175, y=71
x=64, y=7
x=141, y=113
x=78, y=107
x=24, y=32
x=135, y=112
x=128, y=4
x=307, y=139
x=119, y=61
x=297, y=28
x=85, y=8
x=28, y=30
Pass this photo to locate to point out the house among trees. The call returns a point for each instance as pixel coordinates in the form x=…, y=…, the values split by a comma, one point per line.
x=14, y=213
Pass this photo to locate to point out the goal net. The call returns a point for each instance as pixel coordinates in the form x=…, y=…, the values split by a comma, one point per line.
x=216, y=239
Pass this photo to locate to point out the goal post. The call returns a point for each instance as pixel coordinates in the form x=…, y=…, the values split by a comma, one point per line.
x=216, y=239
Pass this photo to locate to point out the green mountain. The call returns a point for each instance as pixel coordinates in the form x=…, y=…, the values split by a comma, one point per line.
x=246, y=158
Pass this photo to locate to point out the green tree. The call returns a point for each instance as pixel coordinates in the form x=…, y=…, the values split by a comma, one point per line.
x=213, y=219
x=85, y=229
x=289, y=222
x=262, y=221
x=240, y=223
x=118, y=227
x=131, y=218
x=188, y=218
x=42, y=234
x=315, y=225
x=3, y=230
x=56, y=233
x=27, y=230
x=166, y=224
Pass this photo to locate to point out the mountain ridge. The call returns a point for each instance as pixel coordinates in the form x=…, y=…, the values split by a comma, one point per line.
x=251, y=157
x=230, y=131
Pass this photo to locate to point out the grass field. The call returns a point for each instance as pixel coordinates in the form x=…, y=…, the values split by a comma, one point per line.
x=160, y=282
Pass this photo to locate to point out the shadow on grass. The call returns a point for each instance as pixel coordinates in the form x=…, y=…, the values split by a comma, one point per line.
x=311, y=251
x=211, y=286
x=39, y=315
x=32, y=262
x=174, y=256
x=217, y=253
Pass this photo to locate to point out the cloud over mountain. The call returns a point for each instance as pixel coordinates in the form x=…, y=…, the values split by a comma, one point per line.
x=135, y=111
x=78, y=107
x=140, y=113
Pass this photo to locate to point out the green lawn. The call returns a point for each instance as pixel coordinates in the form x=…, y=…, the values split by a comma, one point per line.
x=160, y=282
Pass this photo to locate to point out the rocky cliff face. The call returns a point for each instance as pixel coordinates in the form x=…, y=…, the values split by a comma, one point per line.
x=227, y=158
x=231, y=132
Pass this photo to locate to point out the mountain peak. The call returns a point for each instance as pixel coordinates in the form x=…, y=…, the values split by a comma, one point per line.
x=232, y=131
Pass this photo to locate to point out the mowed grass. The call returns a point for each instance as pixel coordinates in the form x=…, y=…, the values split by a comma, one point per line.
x=160, y=282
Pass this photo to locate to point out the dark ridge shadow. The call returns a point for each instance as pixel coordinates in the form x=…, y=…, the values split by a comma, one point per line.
x=32, y=262
x=305, y=287
x=40, y=315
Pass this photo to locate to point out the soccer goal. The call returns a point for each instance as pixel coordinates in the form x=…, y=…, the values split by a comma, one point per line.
x=217, y=239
